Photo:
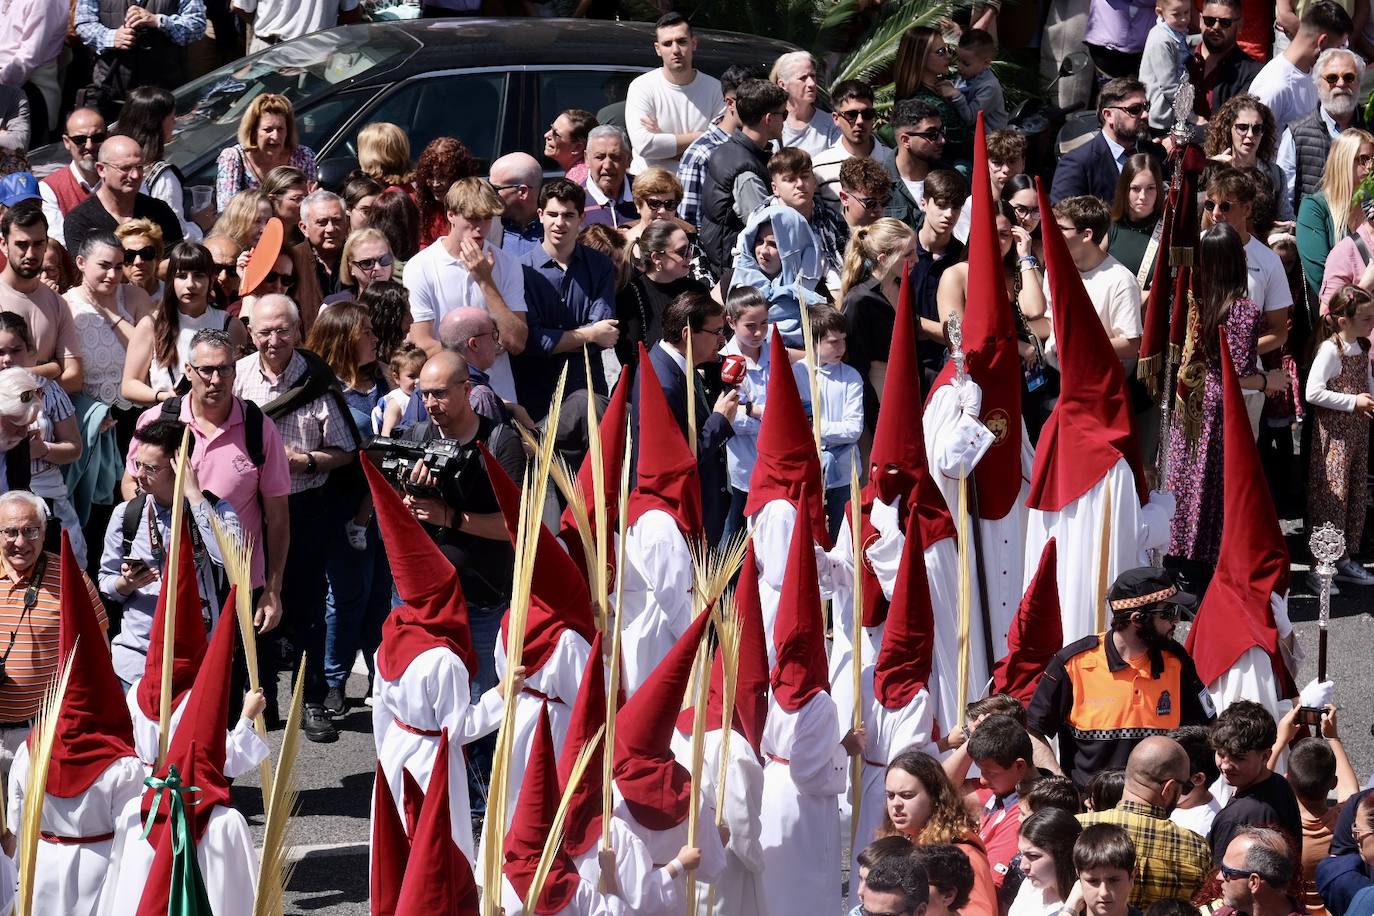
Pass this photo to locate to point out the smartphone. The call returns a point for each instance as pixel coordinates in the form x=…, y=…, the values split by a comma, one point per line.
x=1309, y=715
x=135, y=564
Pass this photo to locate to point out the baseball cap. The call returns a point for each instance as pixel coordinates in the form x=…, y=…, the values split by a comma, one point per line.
x=1144, y=587
x=17, y=187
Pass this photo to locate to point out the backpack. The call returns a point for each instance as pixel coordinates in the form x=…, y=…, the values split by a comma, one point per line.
x=252, y=426
x=133, y=516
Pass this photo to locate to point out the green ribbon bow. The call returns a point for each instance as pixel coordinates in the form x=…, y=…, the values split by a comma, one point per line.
x=187, y=895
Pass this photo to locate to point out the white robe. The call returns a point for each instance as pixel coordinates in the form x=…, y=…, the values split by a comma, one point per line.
x=69, y=876
x=955, y=440
x=889, y=733
x=770, y=531
x=739, y=891
x=656, y=607
x=1078, y=529
x=800, y=812
x=244, y=748
x=645, y=890
x=664, y=845
x=228, y=863
x=1250, y=678
x=586, y=902
x=432, y=694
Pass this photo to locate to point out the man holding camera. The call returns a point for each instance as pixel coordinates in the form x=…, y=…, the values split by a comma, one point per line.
x=459, y=510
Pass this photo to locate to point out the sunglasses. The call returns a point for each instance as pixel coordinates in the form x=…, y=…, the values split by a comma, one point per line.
x=225, y=268
x=658, y=203
x=1230, y=874
x=1167, y=611
x=88, y=139
x=1249, y=128
x=148, y=253
x=1222, y=207
x=287, y=281
x=1213, y=22
x=1333, y=79
x=854, y=114
x=928, y=135
x=1134, y=111
x=870, y=203
x=366, y=264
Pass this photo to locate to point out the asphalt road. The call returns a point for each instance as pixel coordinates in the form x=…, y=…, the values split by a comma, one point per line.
x=330, y=830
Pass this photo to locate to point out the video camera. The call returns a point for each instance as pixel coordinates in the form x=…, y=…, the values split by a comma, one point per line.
x=397, y=459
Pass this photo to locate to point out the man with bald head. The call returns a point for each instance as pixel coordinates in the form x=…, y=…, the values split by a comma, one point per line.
x=64, y=189
x=117, y=200
x=299, y=392
x=1171, y=861
x=472, y=334
x=1255, y=874
x=517, y=178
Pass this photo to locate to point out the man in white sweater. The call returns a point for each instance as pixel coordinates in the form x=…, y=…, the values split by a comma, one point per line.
x=668, y=108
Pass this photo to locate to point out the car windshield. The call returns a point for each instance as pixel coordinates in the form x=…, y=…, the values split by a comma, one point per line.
x=302, y=70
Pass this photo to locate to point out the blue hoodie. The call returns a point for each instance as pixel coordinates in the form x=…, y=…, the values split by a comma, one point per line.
x=801, y=268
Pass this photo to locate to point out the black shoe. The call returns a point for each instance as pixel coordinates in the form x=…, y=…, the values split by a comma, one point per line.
x=318, y=727
x=335, y=702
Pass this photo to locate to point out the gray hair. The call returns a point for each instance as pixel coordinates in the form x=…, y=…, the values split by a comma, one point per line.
x=212, y=337
x=1268, y=856
x=319, y=197
x=272, y=299
x=786, y=66
x=1326, y=57
x=29, y=500
x=609, y=131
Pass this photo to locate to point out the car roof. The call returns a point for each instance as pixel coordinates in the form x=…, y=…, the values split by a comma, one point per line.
x=512, y=43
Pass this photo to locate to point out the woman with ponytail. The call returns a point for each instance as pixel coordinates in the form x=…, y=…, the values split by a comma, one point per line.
x=870, y=281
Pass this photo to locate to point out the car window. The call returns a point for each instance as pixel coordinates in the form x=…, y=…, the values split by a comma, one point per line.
x=590, y=90
x=468, y=106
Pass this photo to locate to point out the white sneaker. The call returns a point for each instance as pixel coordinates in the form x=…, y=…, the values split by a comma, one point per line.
x=1314, y=582
x=1350, y=571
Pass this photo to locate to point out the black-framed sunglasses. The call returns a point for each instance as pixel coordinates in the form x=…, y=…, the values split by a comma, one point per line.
x=1230, y=874
x=225, y=268
x=870, y=203
x=658, y=203
x=1213, y=22
x=1134, y=111
x=146, y=253
x=930, y=136
x=385, y=260
x=854, y=114
x=508, y=187
x=287, y=281
x=1167, y=611
x=1222, y=206
x=94, y=139
x=1248, y=128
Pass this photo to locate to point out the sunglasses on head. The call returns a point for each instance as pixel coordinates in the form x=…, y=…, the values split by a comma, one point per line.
x=854, y=114
x=148, y=253
x=1333, y=79
x=1213, y=22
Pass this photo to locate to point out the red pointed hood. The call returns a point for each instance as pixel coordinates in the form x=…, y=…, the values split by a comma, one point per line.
x=788, y=466
x=438, y=878
x=903, y=666
x=434, y=613
x=188, y=637
x=655, y=786
x=559, y=598
x=1037, y=632
x=390, y=848
x=1235, y=614
x=666, y=473
x=897, y=463
x=611, y=428
x=991, y=355
x=197, y=747
x=799, y=631
x=1090, y=429
x=532, y=823
x=93, y=728
x=582, y=827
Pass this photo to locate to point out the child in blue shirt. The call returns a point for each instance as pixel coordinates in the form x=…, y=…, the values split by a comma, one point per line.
x=977, y=83
x=746, y=312
x=840, y=390
x=1165, y=61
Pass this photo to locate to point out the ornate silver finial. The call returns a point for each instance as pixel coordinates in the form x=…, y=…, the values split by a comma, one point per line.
x=954, y=330
x=1328, y=545
x=1183, y=110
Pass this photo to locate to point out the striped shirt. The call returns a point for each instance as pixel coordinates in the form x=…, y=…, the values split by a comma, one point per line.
x=29, y=642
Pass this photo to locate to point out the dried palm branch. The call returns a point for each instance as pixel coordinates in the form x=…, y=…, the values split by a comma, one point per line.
x=36, y=787
x=274, y=871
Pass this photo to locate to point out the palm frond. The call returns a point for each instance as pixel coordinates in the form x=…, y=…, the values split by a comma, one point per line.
x=36, y=788
x=274, y=871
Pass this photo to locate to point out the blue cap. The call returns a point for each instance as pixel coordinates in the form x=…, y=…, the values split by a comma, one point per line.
x=17, y=187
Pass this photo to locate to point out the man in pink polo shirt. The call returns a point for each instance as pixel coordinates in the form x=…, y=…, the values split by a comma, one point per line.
x=223, y=461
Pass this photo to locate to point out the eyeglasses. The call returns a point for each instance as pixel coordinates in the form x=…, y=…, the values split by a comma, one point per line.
x=1024, y=212
x=273, y=334
x=1230, y=874
x=1213, y=22
x=94, y=139
x=719, y=332
x=780, y=113
x=930, y=136
x=870, y=203
x=209, y=372
x=1334, y=78
x=657, y=203
x=287, y=281
x=438, y=393
x=148, y=253
x=368, y=264
x=1220, y=206
x=854, y=114
x=508, y=187
x=30, y=533
x=1167, y=611
x=152, y=470
x=1248, y=128
x=1134, y=111
x=864, y=911
x=681, y=252
x=123, y=169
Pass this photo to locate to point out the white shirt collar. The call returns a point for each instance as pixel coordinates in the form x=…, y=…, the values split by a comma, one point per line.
x=601, y=199
x=678, y=358
x=92, y=185
x=1332, y=127
x=1116, y=148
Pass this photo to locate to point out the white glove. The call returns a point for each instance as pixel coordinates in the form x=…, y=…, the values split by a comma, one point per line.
x=1164, y=501
x=1279, y=605
x=1317, y=694
x=883, y=516
x=970, y=397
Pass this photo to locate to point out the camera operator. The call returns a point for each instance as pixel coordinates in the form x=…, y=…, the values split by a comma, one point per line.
x=464, y=518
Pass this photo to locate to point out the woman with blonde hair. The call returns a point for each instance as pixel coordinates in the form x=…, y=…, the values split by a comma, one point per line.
x=869, y=283
x=142, y=241
x=285, y=188
x=657, y=194
x=267, y=138
x=243, y=220
x=384, y=154
x=366, y=258
x=1329, y=214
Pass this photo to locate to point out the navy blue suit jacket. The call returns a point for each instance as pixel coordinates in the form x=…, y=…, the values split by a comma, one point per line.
x=1091, y=169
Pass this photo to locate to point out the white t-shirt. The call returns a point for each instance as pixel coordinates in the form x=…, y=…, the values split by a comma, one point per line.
x=1115, y=296
x=439, y=283
x=676, y=109
x=1197, y=819
x=1268, y=282
x=1287, y=91
x=819, y=134
x=282, y=19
